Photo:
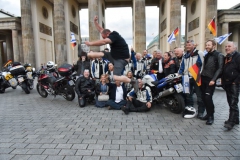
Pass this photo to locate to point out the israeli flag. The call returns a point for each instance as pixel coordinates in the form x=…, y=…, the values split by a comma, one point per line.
x=186, y=84
x=171, y=38
x=222, y=38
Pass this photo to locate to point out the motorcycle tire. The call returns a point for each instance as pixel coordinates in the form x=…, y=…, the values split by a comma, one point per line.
x=14, y=87
x=178, y=103
x=25, y=88
x=69, y=94
x=41, y=91
x=2, y=89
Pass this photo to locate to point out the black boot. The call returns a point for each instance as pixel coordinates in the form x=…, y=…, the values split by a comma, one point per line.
x=210, y=120
x=205, y=117
x=231, y=122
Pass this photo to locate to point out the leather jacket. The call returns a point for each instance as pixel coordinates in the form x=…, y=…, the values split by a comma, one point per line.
x=83, y=85
x=213, y=65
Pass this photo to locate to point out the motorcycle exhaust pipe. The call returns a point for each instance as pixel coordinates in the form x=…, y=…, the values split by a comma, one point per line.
x=166, y=92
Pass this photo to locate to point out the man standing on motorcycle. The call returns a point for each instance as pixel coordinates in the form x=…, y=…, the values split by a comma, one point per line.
x=85, y=88
x=190, y=58
x=212, y=68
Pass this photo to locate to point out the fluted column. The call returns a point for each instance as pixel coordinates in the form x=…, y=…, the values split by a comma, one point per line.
x=9, y=47
x=211, y=8
x=1, y=55
x=139, y=25
x=16, y=54
x=175, y=21
x=20, y=44
x=60, y=32
x=27, y=33
x=93, y=10
x=225, y=30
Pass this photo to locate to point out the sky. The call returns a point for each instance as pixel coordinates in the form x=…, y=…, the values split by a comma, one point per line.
x=121, y=23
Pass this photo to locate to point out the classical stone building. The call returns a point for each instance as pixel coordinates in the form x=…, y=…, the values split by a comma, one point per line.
x=44, y=31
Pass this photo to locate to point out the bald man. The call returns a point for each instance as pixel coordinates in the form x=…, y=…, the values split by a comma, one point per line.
x=178, y=57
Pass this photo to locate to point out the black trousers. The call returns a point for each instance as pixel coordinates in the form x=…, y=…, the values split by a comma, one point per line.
x=232, y=92
x=136, y=106
x=82, y=101
x=207, y=93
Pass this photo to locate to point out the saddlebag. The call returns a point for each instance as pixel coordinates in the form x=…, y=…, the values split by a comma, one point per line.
x=17, y=70
x=65, y=69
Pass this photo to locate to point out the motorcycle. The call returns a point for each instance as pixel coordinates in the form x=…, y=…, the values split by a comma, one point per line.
x=167, y=91
x=51, y=84
x=24, y=76
x=7, y=80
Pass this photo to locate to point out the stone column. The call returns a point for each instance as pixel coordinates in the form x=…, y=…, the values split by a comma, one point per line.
x=27, y=33
x=211, y=8
x=139, y=25
x=16, y=54
x=235, y=35
x=175, y=21
x=9, y=47
x=60, y=32
x=94, y=34
x=21, y=56
x=225, y=30
x=1, y=55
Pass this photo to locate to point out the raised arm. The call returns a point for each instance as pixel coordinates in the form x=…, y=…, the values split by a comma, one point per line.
x=99, y=28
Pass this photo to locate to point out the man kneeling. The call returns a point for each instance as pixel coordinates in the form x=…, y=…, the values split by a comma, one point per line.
x=140, y=101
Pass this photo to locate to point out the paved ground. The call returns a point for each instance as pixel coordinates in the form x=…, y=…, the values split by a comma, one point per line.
x=35, y=128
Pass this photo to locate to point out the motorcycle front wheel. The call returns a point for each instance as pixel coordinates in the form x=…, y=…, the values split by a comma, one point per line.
x=69, y=93
x=2, y=89
x=177, y=103
x=25, y=88
x=41, y=91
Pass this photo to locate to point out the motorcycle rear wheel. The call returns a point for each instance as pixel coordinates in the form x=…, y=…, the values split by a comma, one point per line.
x=178, y=104
x=25, y=88
x=41, y=91
x=2, y=89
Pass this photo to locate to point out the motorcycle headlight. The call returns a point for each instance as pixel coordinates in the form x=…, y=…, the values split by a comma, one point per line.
x=33, y=69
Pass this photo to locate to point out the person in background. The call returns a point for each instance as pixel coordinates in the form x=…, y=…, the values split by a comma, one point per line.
x=101, y=88
x=178, y=57
x=110, y=73
x=140, y=66
x=99, y=67
x=154, y=54
x=82, y=64
x=169, y=65
x=157, y=65
x=129, y=86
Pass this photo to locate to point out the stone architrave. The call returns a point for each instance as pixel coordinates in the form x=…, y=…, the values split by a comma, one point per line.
x=93, y=10
x=139, y=25
x=16, y=53
x=27, y=33
x=60, y=32
x=211, y=8
x=9, y=47
x=175, y=21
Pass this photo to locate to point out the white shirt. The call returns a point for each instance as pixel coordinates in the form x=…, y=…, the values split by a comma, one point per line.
x=119, y=94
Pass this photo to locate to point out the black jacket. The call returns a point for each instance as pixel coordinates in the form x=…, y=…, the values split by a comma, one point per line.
x=169, y=67
x=98, y=89
x=177, y=61
x=80, y=64
x=213, y=65
x=83, y=85
x=231, y=69
x=112, y=91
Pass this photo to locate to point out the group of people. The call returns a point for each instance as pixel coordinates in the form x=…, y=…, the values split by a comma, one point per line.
x=212, y=66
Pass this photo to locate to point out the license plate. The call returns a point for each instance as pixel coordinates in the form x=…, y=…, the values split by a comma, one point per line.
x=20, y=79
x=71, y=83
x=178, y=87
x=29, y=75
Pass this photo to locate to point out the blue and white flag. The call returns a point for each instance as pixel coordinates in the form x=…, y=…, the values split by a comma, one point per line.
x=222, y=38
x=186, y=84
x=73, y=40
x=171, y=38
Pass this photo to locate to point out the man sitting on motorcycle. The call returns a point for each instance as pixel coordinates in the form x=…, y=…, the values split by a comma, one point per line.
x=140, y=101
x=85, y=88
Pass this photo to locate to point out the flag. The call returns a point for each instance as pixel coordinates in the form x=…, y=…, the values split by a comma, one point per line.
x=195, y=72
x=212, y=27
x=222, y=38
x=171, y=38
x=186, y=84
x=73, y=40
x=176, y=31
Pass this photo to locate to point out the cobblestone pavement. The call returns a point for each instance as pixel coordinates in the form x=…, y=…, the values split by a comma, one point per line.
x=36, y=128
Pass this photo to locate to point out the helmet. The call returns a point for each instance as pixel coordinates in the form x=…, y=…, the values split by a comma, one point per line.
x=189, y=112
x=50, y=65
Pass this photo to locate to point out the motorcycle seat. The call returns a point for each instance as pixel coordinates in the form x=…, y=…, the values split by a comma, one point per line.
x=155, y=83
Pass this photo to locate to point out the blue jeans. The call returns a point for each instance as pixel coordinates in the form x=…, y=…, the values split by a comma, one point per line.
x=189, y=97
x=115, y=105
